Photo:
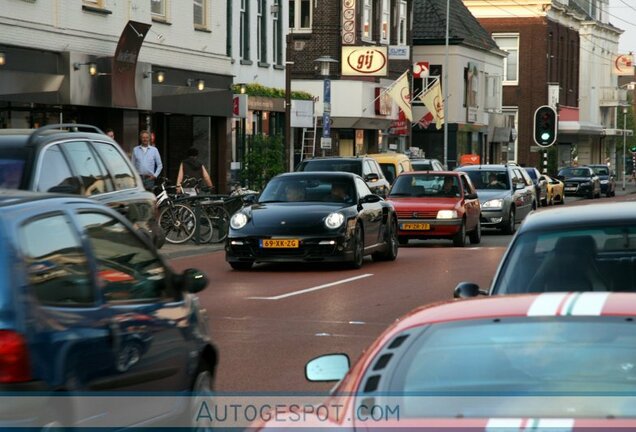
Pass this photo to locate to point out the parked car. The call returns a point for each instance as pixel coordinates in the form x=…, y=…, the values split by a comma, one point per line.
x=65, y=159
x=496, y=363
x=313, y=217
x=555, y=190
x=582, y=248
x=506, y=194
x=88, y=305
x=580, y=181
x=540, y=185
x=607, y=178
x=427, y=165
x=392, y=164
x=364, y=166
x=437, y=204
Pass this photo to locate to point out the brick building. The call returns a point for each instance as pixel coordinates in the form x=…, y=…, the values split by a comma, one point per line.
x=559, y=55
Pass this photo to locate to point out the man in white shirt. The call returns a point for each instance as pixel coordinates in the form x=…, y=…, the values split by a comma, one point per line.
x=147, y=160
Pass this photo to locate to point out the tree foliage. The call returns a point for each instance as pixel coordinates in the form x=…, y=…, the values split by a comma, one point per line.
x=264, y=158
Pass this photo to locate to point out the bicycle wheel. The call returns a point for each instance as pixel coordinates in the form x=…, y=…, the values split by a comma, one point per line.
x=220, y=219
x=206, y=229
x=178, y=223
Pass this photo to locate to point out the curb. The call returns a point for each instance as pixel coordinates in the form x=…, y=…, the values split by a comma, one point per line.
x=174, y=251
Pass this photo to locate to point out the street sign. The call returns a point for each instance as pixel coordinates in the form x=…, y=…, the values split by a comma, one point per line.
x=325, y=143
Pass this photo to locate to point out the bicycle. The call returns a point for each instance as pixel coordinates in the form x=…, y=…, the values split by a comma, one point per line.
x=213, y=220
x=177, y=220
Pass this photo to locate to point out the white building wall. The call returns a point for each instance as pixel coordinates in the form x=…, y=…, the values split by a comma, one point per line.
x=458, y=59
x=62, y=25
x=271, y=75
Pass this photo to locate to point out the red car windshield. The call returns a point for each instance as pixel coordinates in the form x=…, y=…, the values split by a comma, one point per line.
x=425, y=185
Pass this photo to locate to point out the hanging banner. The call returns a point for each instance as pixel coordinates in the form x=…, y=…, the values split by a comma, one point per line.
x=348, y=22
x=125, y=64
x=401, y=94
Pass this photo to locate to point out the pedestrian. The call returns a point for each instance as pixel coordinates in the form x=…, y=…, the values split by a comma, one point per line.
x=147, y=160
x=110, y=133
x=192, y=167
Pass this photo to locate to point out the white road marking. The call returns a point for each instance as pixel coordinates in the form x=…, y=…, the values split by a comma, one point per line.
x=316, y=288
x=357, y=322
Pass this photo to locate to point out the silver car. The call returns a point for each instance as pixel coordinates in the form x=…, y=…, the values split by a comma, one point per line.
x=506, y=194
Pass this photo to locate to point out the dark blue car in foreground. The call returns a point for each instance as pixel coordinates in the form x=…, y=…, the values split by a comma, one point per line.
x=87, y=305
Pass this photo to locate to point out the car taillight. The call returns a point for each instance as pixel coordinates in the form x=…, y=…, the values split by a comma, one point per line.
x=14, y=358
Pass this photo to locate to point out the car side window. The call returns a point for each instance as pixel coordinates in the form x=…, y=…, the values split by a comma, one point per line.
x=127, y=271
x=366, y=168
x=55, y=174
x=120, y=170
x=85, y=164
x=363, y=189
x=57, y=269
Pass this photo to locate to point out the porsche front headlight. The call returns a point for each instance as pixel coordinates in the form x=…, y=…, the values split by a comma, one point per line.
x=238, y=221
x=334, y=220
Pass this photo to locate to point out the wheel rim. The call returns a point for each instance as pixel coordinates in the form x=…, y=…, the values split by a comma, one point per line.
x=394, y=239
x=359, y=248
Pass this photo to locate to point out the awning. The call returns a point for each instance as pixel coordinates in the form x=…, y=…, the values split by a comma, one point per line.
x=360, y=123
x=21, y=86
x=580, y=128
x=502, y=135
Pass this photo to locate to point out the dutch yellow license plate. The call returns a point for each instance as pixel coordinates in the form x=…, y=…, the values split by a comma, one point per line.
x=416, y=226
x=280, y=243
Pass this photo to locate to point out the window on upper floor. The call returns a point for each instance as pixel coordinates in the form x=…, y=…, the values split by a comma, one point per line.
x=300, y=15
x=261, y=31
x=367, y=19
x=385, y=32
x=200, y=19
x=277, y=33
x=492, y=101
x=402, y=23
x=510, y=44
x=244, y=42
x=159, y=9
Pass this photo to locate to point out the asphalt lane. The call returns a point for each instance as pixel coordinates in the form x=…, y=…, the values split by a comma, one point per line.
x=269, y=321
x=265, y=335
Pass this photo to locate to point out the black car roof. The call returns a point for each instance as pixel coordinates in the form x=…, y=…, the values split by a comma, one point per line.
x=605, y=214
x=318, y=173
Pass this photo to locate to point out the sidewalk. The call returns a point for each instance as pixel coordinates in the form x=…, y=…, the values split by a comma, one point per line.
x=189, y=248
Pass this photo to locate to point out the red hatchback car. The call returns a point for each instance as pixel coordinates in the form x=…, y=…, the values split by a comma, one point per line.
x=436, y=204
x=553, y=361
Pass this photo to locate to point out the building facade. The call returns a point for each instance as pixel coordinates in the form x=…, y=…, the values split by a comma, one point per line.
x=559, y=55
x=370, y=41
x=471, y=69
x=131, y=65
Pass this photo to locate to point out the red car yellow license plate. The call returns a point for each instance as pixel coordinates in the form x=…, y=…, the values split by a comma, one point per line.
x=416, y=226
x=280, y=243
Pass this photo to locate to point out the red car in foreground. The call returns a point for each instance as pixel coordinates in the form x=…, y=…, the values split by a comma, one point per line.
x=553, y=361
x=436, y=204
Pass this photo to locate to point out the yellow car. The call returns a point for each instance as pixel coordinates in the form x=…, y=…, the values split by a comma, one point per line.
x=555, y=190
x=392, y=164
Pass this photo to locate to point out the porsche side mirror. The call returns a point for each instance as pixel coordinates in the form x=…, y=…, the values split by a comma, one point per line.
x=369, y=199
x=467, y=290
x=471, y=196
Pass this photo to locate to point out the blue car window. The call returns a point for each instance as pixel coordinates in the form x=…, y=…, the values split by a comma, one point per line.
x=56, y=265
x=127, y=270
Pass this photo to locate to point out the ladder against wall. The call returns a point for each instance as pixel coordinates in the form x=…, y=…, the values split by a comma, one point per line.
x=308, y=148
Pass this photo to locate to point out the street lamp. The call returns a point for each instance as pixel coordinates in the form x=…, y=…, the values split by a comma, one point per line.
x=325, y=63
x=624, y=143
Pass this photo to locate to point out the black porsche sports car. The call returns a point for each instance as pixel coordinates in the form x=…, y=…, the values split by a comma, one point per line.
x=313, y=217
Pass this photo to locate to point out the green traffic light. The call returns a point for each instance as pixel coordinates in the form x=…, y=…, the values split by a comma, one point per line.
x=632, y=149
